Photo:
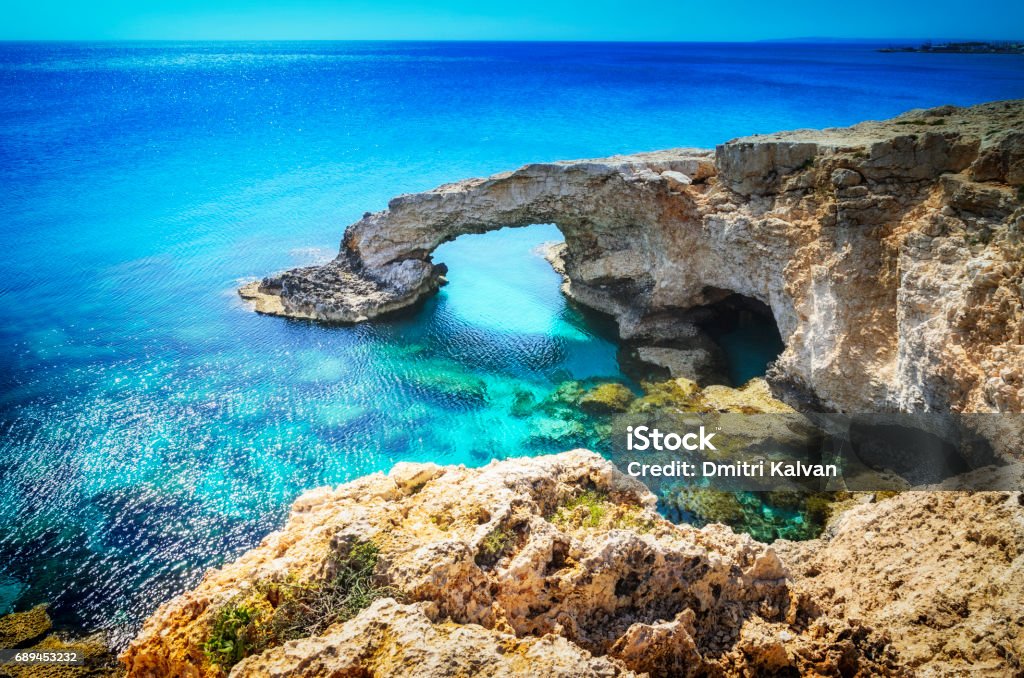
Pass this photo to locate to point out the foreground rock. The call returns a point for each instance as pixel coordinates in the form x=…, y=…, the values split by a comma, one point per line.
x=888, y=253
x=942, y=572
x=391, y=639
x=558, y=566
x=538, y=566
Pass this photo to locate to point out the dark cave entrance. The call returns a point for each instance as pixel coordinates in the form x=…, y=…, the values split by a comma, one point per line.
x=729, y=340
x=746, y=331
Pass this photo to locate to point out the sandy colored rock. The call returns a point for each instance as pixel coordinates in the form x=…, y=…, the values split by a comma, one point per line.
x=887, y=252
x=684, y=395
x=604, y=398
x=754, y=397
x=506, y=560
x=702, y=364
x=30, y=631
x=19, y=628
x=674, y=394
x=389, y=639
x=99, y=661
x=942, y=572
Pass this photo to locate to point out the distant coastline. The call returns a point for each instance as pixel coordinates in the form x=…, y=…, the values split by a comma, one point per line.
x=974, y=47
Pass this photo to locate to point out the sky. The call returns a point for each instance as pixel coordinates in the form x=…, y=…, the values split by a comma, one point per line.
x=682, y=20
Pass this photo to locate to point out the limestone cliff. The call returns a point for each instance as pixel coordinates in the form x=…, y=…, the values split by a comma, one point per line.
x=559, y=566
x=889, y=252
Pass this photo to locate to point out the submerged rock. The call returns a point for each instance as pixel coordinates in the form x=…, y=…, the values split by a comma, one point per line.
x=553, y=434
x=523, y=404
x=451, y=387
x=568, y=393
x=766, y=516
x=607, y=398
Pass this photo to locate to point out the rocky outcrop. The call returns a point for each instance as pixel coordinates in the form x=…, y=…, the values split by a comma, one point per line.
x=32, y=632
x=558, y=566
x=537, y=566
x=889, y=253
x=391, y=639
x=19, y=628
x=941, y=572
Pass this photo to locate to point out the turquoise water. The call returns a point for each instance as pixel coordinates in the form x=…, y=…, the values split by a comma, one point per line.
x=750, y=347
x=151, y=426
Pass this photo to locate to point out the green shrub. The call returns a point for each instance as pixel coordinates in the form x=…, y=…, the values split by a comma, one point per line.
x=235, y=635
x=309, y=609
x=281, y=611
x=593, y=501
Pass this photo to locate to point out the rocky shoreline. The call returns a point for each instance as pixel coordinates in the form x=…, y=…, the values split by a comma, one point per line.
x=888, y=253
x=32, y=631
x=560, y=565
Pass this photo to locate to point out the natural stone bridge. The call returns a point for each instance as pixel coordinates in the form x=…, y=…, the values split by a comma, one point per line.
x=602, y=207
x=888, y=252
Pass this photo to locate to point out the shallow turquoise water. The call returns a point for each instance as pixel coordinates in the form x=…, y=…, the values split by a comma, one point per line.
x=165, y=458
x=151, y=426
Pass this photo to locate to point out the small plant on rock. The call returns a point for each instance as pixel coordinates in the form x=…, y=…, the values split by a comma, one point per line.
x=594, y=502
x=493, y=546
x=309, y=609
x=237, y=633
x=280, y=611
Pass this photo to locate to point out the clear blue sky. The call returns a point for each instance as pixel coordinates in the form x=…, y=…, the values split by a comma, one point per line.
x=509, y=19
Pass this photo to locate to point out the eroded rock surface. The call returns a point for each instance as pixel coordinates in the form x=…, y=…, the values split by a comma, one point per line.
x=537, y=566
x=32, y=632
x=19, y=628
x=942, y=572
x=889, y=252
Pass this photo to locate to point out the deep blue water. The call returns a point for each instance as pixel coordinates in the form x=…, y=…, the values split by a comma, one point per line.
x=151, y=426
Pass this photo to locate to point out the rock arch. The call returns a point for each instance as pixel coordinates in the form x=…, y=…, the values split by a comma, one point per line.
x=858, y=239
x=604, y=208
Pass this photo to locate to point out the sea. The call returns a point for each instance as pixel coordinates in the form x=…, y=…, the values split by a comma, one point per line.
x=152, y=426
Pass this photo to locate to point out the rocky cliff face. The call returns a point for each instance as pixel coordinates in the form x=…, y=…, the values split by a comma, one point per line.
x=889, y=252
x=559, y=566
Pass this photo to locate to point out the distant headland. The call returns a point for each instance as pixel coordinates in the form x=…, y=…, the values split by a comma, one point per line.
x=973, y=47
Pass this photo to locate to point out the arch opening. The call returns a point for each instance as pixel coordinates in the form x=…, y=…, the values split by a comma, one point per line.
x=503, y=291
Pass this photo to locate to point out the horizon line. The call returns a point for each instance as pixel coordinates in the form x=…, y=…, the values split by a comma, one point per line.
x=800, y=39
